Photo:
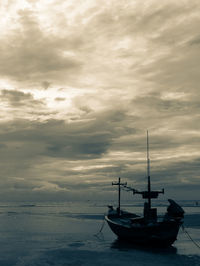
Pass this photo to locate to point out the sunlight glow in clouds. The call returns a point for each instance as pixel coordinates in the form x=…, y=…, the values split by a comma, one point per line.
x=81, y=81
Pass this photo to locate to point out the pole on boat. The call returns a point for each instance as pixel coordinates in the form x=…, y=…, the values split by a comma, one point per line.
x=119, y=184
x=148, y=173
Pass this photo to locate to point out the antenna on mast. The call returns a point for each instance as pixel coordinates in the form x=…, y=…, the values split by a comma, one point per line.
x=148, y=159
x=147, y=194
x=148, y=173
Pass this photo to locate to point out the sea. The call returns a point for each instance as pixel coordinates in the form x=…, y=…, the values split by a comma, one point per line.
x=75, y=233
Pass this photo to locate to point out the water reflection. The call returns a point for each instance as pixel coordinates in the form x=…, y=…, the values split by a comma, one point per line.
x=127, y=246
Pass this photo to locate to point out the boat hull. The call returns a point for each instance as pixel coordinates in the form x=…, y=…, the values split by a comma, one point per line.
x=161, y=233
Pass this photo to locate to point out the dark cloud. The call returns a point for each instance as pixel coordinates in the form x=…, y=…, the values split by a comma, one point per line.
x=157, y=104
x=195, y=41
x=59, y=99
x=2, y=146
x=18, y=98
x=46, y=84
x=58, y=139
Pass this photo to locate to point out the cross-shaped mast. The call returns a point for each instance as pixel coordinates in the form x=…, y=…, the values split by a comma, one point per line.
x=119, y=184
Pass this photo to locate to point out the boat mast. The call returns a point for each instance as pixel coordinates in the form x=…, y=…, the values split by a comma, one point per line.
x=148, y=173
x=119, y=184
x=147, y=194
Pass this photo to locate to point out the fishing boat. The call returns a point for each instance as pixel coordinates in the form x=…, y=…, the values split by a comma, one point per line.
x=149, y=228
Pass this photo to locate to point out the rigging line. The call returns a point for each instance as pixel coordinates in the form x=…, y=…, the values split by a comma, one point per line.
x=102, y=226
x=189, y=236
x=127, y=188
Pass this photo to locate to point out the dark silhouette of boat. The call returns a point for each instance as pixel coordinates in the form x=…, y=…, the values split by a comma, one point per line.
x=148, y=229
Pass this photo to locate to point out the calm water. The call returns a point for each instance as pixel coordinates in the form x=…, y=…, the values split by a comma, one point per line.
x=65, y=234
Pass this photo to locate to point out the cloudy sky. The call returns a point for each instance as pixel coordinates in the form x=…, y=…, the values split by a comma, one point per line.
x=82, y=80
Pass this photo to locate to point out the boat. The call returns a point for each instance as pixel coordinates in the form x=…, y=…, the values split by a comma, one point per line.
x=148, y=228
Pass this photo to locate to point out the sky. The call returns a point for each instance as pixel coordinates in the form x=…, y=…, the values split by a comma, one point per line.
x=82, y=81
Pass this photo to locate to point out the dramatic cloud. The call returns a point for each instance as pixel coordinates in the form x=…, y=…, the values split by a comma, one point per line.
x=18, y=98
x=82, y=81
